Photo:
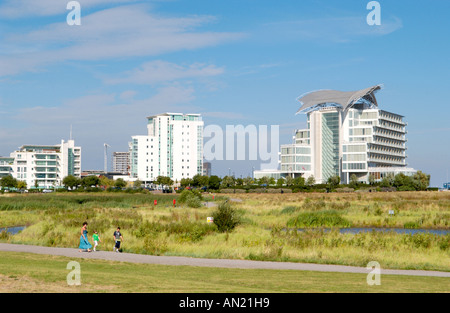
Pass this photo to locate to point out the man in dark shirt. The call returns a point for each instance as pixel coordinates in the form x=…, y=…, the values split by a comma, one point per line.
x=117, y=239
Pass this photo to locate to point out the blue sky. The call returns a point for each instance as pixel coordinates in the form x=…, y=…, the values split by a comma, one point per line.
x=236, y=62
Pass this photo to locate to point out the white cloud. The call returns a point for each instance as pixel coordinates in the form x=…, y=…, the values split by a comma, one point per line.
x=161, y=71
x=26, y=8
x=224, y=115
x=120, y=32
x=336, y=29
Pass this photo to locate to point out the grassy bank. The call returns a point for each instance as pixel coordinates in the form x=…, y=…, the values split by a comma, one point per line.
x=38, y=273
x=55, y=220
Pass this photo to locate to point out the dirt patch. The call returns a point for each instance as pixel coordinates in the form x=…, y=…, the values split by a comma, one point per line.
x=24, y=284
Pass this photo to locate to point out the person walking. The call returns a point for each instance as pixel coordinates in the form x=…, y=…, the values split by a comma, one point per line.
x=84, y=242
x=118, y=238
x=96, y=239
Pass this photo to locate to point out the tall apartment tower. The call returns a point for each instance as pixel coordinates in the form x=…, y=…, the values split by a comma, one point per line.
x=173, y=147
x=43, y=165
x=347, y=134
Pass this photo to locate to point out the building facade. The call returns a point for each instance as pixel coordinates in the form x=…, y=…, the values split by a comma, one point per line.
x=206, y=169
x=121, y=162
x=173, y=147
x=347, y=135
x=43, y=166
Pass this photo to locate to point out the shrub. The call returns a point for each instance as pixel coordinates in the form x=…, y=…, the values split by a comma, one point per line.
x=192, y=198
x=4, y=235
x=412, y=225
x=225, y=217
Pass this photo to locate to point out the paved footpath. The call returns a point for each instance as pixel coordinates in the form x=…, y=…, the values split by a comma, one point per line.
x=185, y=261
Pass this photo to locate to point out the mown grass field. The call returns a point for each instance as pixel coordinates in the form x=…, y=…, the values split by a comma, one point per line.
x=55, y=220
x=21, y=272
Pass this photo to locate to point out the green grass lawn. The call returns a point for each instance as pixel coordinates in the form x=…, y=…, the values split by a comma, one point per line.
x=23, y=272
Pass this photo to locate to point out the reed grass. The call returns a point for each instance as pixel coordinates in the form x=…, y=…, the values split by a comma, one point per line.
x=55, y=220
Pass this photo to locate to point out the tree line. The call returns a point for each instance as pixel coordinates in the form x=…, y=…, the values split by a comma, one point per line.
x=419, y=181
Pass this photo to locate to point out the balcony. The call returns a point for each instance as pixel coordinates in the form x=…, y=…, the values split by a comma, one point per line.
x=386, y=161
x=386, y=134
x=391, y=118
x=387, y=152
x=388, y=127
x=390, y=144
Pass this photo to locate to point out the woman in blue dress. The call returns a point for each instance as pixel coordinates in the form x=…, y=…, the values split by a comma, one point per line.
x=84, y=243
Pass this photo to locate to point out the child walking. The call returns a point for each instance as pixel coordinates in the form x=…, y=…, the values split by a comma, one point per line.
x=96, y=239
x=117, y=239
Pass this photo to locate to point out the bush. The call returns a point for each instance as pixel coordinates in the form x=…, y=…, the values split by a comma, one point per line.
x=225, y=217
x=192, y=198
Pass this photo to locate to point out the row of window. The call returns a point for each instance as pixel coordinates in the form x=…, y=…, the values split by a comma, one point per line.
x=354, y=157
x=354, y=148
x=354, y=166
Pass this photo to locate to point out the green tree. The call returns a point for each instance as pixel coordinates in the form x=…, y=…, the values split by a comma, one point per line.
x=21, y=184
x=263, y=180
x=89, y=181
x=8, y=182
x=120, y=183
x=311, y=181
x=387, y=181
x=353, y=180
x=200, y=181
x=71, y=181
x=299, y=181
x=280, y=182
x=334, y=181
x=228, y=181
x=105, y=181
x=248, y=181
x=164, y=180
x=185, y=182
x=137, y=184
x=289, y=181
x=214, y=182
x=421, y=181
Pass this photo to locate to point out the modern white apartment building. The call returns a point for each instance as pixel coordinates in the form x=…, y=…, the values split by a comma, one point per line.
x=173, y=147
x=347, y=134
x=43, y=166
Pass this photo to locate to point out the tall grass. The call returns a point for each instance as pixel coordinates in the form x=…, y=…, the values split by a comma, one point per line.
x=164, y=230
x=326, y=218
x=72, y=201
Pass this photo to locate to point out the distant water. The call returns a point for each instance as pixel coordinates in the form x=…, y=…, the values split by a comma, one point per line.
x=13, y=230
x=386, y=230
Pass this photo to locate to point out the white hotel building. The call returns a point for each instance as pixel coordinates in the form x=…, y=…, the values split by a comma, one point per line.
x=173, y=147
x=43, y=165
x=346, y=134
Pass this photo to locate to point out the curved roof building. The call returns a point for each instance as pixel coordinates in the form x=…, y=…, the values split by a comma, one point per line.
x=345, y=99
x=347, y=135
